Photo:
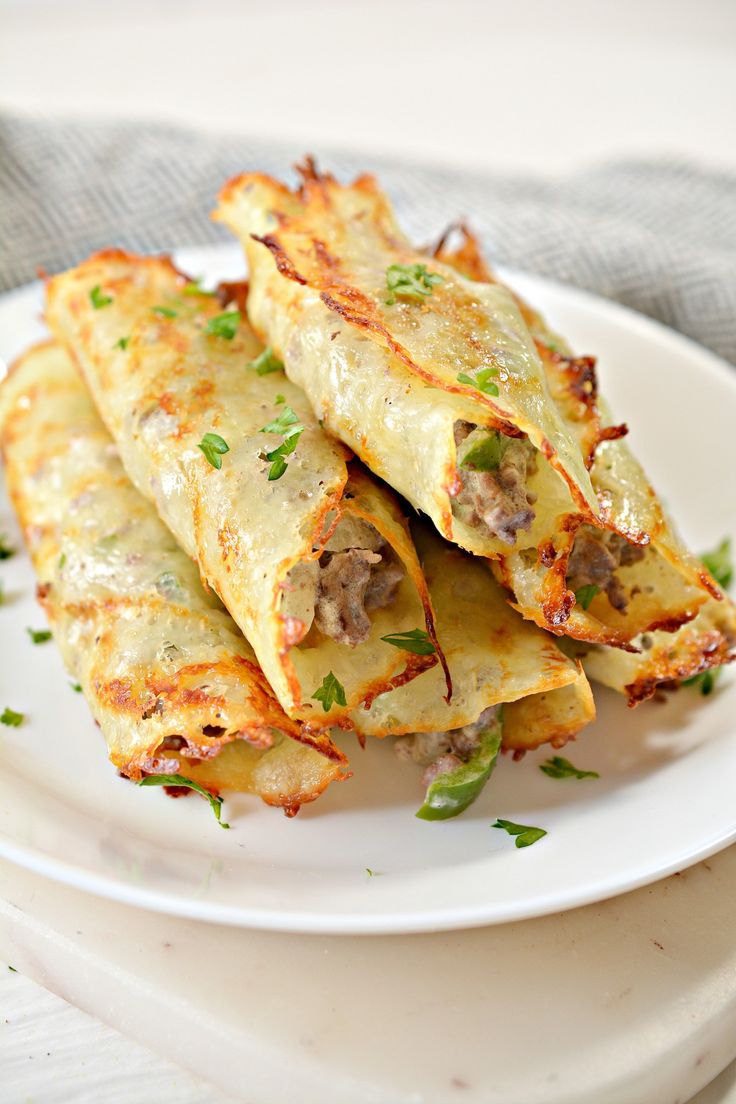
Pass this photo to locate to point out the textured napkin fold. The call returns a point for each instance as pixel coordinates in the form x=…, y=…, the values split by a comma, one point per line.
x=659, y=236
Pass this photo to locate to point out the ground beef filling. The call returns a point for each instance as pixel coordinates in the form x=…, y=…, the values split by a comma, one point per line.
x=496, y=501
x=349, y=584
x=596, y=556
x=440, y=752
x=358, y=572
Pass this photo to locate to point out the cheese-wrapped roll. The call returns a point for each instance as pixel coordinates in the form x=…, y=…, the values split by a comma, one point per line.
x=631, y=573
x=173, y=685
x=373, y=360
x=513, y=689
x=431, y=378
x=311, y=556
x=494, y=657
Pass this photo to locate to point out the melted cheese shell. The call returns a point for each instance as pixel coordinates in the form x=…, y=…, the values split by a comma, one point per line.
x=385, y=377
x=666, y=588
x=172, y=383
x=669, y=585
x=493, y=657
x=404, y=430
x=156, y=655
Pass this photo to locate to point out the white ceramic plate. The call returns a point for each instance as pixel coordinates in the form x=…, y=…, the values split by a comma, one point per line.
x=665, y=797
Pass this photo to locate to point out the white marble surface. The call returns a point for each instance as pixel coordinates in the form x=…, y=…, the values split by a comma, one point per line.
x=530, y=86
x=51, y=1053
x=629, y=1002
x=91, y=1061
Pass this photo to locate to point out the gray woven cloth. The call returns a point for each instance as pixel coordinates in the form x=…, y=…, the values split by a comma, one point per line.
x=659, y=236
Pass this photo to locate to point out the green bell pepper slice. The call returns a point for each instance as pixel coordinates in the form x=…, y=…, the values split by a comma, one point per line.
x=452, y=792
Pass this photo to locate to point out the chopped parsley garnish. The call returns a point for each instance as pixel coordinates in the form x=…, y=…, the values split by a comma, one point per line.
x=487, y=453
x=39, y=636
x=372, y=873
x=214, y=448
x=165, y=312
x=278, y=456
x=76, y=687
x=706, y=681
x=280, y=399
x=584, y=595
x=416, y=641
x=288, y=425
x=122, y=343
x=179, y=780
x=330, y=691
x=194, y=287
x=410, y=282
x=5, y=550
x=559, y=767
x=525, y=834
x=98, y=299
x=266, y=363
x=10, y=717
x=482, y=381
x=61, y=561
x=720, y=563
x=223, y=325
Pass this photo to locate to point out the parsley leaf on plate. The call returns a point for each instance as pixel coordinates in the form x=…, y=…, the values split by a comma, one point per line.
x=179, y=780
x=559, y=767
x=525, y=834
x=5, y=550
x=10, y=717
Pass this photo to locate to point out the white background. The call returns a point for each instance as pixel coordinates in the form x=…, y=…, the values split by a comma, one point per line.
x=533, y=85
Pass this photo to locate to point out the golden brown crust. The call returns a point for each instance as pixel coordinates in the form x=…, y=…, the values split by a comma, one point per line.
x=164, y=670
x=246, y=531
